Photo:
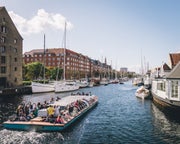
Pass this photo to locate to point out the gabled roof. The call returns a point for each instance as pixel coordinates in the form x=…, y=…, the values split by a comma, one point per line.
x=166, y=67
x=175, y=58
x=3, y=9
x=175, y=73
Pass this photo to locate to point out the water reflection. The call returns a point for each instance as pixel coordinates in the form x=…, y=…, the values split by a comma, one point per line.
x=166, y=126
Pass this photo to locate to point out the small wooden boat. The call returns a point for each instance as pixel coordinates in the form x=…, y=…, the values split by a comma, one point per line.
x=38, y=123
x=142, y=92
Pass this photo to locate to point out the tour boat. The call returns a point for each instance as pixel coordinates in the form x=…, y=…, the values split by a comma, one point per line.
x=64, y=104
x=142, y=92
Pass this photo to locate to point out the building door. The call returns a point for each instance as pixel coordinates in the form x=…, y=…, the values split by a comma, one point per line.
x=2, y=82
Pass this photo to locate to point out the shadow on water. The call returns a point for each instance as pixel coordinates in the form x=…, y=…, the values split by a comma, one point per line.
x=171, y=114
x=166, y=124
x=8, y=106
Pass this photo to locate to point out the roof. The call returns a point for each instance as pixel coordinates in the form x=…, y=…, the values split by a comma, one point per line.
x=175, y=58
x=2, y=8
x=166, y=67
x=175, y=73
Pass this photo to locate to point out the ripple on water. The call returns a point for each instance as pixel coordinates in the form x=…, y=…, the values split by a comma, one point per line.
x=17, y=137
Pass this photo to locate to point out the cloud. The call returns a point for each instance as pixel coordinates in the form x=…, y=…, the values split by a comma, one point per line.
x=38, y=23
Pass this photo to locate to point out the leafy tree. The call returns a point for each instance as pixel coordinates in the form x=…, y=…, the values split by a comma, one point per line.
x=33, y=71
x=56, y=71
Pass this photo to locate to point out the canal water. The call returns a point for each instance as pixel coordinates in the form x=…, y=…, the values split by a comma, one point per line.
x=119, y=118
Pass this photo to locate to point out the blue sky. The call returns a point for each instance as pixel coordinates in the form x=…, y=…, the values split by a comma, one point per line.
x=123, y=31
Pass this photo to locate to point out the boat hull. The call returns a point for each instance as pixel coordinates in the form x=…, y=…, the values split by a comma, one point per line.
x=166, y=103
x=42, y=88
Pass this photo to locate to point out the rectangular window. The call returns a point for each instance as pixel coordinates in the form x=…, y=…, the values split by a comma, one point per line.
x=3, y=49
x=15, y=69
x=15, y=59
x=15, y=41
x=3, y=29
x=174, y=89
x=3, y=39
x=3, y=69
x=15, y=50
x=3, y=59
x=161, y=86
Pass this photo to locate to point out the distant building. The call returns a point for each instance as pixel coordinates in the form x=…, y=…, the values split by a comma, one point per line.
x=10, y=52
x=123, y=69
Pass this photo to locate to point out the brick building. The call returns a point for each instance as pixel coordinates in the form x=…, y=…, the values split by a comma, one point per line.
x=76, y=65
x=10, y=52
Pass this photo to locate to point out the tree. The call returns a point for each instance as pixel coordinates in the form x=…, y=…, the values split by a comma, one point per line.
x=56, y=71
x=33, y=71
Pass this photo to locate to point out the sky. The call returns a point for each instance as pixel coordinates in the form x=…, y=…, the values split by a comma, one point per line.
x=128, y=33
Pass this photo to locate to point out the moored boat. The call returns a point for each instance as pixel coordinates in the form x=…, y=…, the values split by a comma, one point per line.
x=166, y=90
x=65, y=86
x=142, y=93
x=70, y=109
x=42, y=87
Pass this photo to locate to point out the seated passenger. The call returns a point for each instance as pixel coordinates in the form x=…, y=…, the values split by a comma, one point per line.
x=59, y=119
x=50, y=110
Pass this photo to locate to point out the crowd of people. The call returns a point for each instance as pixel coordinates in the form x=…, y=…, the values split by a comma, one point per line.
x=55, y=114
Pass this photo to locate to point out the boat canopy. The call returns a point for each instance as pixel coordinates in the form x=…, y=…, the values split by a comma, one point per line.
x=70, y=99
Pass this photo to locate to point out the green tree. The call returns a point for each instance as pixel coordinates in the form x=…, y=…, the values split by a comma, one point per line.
x=56, y=71
x=33, y=71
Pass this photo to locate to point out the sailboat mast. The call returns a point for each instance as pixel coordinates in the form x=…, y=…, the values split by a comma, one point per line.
x=44, y=60
x=65, y=52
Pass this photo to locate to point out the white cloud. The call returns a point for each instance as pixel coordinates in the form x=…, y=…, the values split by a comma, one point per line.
x=38, y=23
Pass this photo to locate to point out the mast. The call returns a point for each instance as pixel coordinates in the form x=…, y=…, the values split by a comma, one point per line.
x=64, y=52
x=44, y=60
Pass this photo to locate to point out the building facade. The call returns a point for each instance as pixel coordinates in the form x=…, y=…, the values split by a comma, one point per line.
x=10, y=52
x=77, y=65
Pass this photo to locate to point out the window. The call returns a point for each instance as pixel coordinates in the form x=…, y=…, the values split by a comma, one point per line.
x=3, y=29
x=174, y=89
x=15, y=59
x=15, y=69
x=161, y=86
x=3, y=39
x=3, y=69
x=15, y=41
x=3, y=49
x=3, y=59
x=15, y=50
x=15, y=79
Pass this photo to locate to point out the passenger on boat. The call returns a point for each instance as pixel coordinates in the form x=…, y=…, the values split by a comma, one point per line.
x=66, y=116
x=56, y=113
x=23, y=118
x=50, y=111
x=70, y=109
x=51, y=101
x=59, y=119
x=30, y=116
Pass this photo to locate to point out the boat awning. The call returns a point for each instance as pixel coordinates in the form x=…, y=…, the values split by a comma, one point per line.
x=69, y=99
